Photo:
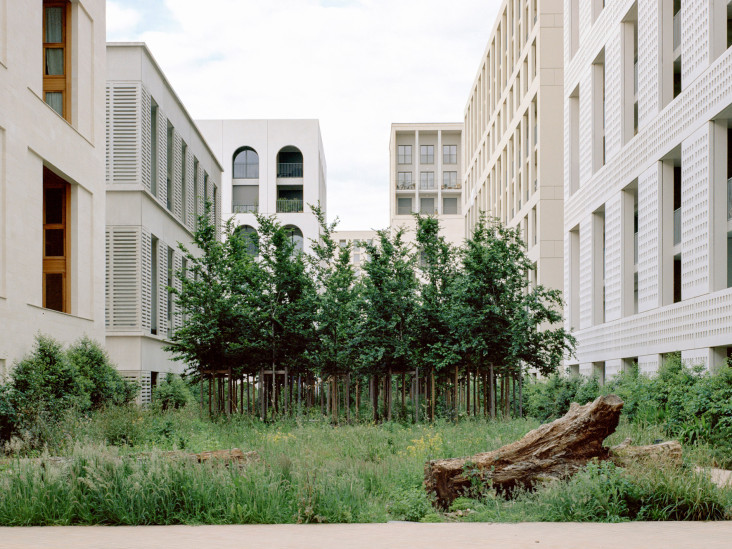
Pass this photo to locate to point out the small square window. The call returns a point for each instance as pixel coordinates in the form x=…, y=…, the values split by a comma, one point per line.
x=404, y=206
x=404, y=154
x=449, y=154
x=427, y=154
x=404, y=181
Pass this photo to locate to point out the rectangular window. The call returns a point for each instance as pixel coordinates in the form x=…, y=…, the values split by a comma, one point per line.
x=56, y=52
x=184, y=183
x=56, y=252
x=154, y=148
x=449, y=206
x=426, y=154
x=427, y=206
x=427, y=181
x=449, y=180
x=196, y=210
x=169, y=166
x=404, y=206
x=154, y=291
x=630, y=73
x=404, y=154
x=574, y=140
x=598, y=111
x=574, y=273
x=404, y=181
x=449, y=154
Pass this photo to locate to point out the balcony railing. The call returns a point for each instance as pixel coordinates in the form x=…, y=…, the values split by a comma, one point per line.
x=289, y=205
x=427, y=185
x=245, y=208
x=452, y=186
x=729, y=198
x=677, y=30
x=289, y=170
x=405, y=185
x=677, y=227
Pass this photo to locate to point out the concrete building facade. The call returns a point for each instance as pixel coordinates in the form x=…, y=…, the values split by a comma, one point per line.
x=52, y=67
x=512, y=141
x=271, y=167
x=357, y=240
x=647, y=110
x=160, y=172
x=425, y=177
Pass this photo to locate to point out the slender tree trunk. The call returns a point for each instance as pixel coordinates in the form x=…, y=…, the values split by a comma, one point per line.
x=432, y=394
x=492, y=392
x=358, y=398
x=388, y=395
x=375, y=395
x=416, y=395
x=467, y=392
x=200, y=390
x=262, y=403
x=457, y=394
x=348, y=398
x=403, y=412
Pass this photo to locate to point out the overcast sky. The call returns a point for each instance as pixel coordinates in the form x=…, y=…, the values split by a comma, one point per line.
x=356, y=65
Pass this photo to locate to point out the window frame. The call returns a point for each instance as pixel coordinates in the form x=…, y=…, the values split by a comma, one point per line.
x=404, y=154
x=448, y=154
x=426, y=154
x=58, y=83
x=57, y=264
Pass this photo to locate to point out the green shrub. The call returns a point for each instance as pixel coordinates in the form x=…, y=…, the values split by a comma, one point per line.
x=100, y=378
x=409, y=504
x=172, y=393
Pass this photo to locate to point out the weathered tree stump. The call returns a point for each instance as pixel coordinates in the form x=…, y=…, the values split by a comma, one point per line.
x=555, y=450
x=666, y=452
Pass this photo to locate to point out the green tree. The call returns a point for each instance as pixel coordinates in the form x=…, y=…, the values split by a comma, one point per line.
x=388, y=331
x=506, y=323
x=338, y=313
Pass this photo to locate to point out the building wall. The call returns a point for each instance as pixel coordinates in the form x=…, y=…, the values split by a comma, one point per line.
x=646, y=225
x=33, y=137
x=155, y=193
x=513, y=150
x=356, y=239
x=267, y=138
x=443, y=193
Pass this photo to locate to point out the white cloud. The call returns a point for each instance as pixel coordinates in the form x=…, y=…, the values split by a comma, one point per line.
x=121, y=20
x=357, y=66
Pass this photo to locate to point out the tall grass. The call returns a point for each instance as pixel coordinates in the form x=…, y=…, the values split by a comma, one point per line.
x=309, y=472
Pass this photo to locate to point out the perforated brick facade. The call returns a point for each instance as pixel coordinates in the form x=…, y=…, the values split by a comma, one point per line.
x=648, y=205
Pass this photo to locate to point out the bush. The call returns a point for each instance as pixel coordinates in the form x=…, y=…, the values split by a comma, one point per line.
x=100, y=378
x=409, y=504
x=49, y=382
x=172, y=393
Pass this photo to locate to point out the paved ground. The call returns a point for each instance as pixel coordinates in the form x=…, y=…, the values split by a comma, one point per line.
x=668, y=535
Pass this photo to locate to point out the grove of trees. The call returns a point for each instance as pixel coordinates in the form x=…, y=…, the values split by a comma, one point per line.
x=427, y=330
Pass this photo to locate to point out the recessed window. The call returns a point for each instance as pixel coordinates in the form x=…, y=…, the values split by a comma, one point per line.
x=404, y=181
x=427, y=206
x=404, y=154
x=404, y=206
x=449, y=206
x=449, y=180
x=449, y=154
x=246, y=164
x=56, y=252
x=56, y=63
x=427, y=180
x=427, y=154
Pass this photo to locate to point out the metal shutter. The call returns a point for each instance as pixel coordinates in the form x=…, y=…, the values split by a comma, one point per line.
x=122, y=134
x=146, y=131
x=146, y=289
x=178, y=176
x=123, y=278
x=162, y=158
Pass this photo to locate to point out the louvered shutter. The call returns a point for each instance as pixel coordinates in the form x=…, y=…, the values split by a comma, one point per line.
x=123, y=278
x=122, y=133
x=178, y=175
x=177, y=317
x=108, y=132
x=217, y=212
x=146, y=289
x=162, y=289
x=146, y=133
x=162, y=157
x=200, y=196
x=190, y=221
x=210, y=197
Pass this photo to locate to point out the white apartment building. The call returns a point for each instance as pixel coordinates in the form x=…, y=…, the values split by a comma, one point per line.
x=512, y=141
x=425, y=177
x=648, y=254
x=357, y=240
x=160, y=172
x=52, y=67
x=273, y=167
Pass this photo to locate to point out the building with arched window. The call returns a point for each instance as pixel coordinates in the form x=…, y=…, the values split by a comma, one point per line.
x=270, y=167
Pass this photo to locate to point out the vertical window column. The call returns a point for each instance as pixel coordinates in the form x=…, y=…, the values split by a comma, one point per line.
x=56, y=56
x=598, y=111
x=56, y=243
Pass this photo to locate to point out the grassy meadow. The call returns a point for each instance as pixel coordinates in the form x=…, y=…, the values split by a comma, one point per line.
x=311, y=471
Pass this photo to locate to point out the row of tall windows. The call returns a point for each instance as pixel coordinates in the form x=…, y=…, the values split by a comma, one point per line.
x=427, y=154
x=427, y=205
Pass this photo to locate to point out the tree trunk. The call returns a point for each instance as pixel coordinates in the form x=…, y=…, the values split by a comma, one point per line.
x=554, y=450
x=456, y=398
x=432, y=394
x=416, y=395
x=375, y=394
x=388, y=396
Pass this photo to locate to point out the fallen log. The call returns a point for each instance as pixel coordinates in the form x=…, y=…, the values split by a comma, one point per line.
x=666, y=452
x=555, y=450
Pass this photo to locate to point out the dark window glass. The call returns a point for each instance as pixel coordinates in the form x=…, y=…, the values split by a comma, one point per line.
x=54, y=242
x=55, y=291
x=54, y=206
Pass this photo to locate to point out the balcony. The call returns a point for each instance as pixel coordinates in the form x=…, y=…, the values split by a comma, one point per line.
x=245, y=208
x=677, y=226
x=289, y=205
x=405, y=185
x=289, y=170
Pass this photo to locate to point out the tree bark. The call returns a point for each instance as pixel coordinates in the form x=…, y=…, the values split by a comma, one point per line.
x=554, y=450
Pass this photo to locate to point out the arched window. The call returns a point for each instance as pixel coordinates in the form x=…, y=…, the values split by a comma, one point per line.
x=246, y=164
x=250, y=236
x=295, y=235
x=289, y=162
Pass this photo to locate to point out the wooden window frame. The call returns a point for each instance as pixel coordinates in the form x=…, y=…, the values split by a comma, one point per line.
x=59, y=83
x=58, y=264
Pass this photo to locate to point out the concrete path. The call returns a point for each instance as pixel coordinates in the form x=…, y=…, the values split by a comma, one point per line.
x=646, y=535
